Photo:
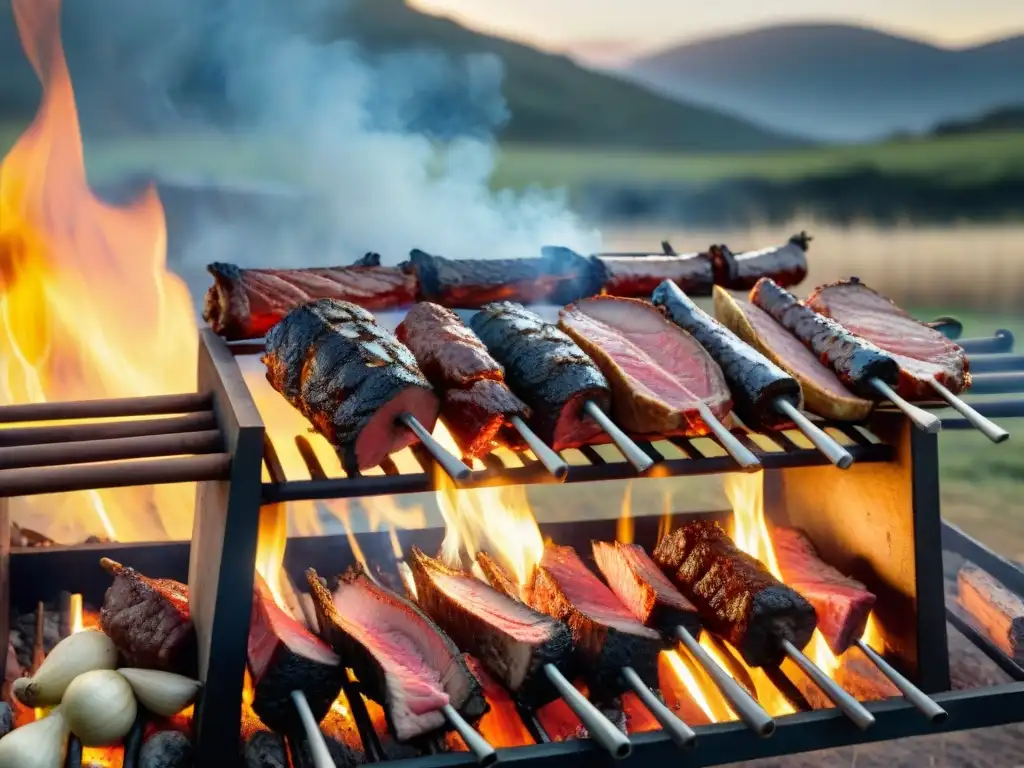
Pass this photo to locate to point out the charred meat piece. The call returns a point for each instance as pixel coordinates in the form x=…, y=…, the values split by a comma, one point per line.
x=403, y=660
x=246, y=303
x=350, y=378
x=842, y=604
x=643, y=588
x=754, y=380
x=738, y=598
x=785, y=264
x=514, y=641
x=606, y=635
x=636, y=277
x=856, y=361
x=558, y=276
x=149, y=621
x=475, y=402
x=283, y=657
x=547, y=370
x=497, y=576
x=658, y=373
x=823, y=392
x=923, y=353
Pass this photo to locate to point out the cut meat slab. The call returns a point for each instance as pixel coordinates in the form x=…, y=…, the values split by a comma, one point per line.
x=606, y=634
x=923, y=353
x=658, y=373
x=246, y=303
x=738, y=598
x=350, y=378
x=403, y=660
x=786, y=264
x=514, y=641
x=643, y=588
x=823, y=393
x=842, y=604
x=637, y=276
x=545, y=368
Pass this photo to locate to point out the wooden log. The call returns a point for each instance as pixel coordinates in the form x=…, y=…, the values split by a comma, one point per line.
x=995, y=610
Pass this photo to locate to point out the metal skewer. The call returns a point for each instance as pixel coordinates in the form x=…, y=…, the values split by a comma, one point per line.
x=314, y=737
x=640, y=460
x=911, y=692
x=847, y=704
x=988, y=428
x=600, y=728
x=739, y=452
x=484, y=752
x=923, y=420
x=742, y=703
x=680, y=732
x=454, y=468
x=546, y=455
x=818, y=437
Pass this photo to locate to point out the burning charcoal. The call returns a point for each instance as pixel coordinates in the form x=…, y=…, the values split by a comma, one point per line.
x=402, y=659
x=284, y=656
x=23, y=635
x=6, y=718
x=265, y=750
x=149, y=622
x=342, y=755
x=166, y=749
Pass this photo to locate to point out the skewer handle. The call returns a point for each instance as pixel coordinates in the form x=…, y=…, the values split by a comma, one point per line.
x=454, y=468
x=314, y=737
x=484, y=752
x=678, y=731
x=742, y=703
x=739, y=452
x=988, y=428
x=911, y=692
x=927, y=422
x=819, y=438
x=600, y=728
x=848, y=705
x=640, y=460
x=546, y=455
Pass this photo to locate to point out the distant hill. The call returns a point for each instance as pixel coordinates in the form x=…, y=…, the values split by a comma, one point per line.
x=837, y=82
x=998, y=120
x=550, y=98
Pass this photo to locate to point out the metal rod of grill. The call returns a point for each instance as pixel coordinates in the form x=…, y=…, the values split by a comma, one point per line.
x=454, y=468
x=107, y=430
x=314, y=737
x=552, y=462
x=1005, y=383
x=478, y=745
x=740, y=453
x=600, y=728
x=927, y=422
x=682, y=734
x=633, y=453
x=90, y=451
x=911, y=692
x=190, y=402
x=988, y=428
x=996, y=363
x=1001, y=341
x=850, y=707
x=818, y=437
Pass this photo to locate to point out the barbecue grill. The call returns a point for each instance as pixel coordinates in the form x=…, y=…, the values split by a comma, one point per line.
x=218, y=439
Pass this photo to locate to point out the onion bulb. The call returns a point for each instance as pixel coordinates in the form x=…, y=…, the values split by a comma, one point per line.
x=42, y=744
x=75, y=654
x=99, y=707
x=162, y=693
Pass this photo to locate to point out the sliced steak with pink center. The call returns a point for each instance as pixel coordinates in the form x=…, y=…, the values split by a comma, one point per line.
x=659, y=374
x=922, y=352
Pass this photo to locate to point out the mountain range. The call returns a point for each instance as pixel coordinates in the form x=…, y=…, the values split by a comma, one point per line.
x=838, y=82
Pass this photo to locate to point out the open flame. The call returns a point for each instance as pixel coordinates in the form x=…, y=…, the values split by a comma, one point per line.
x=87, y=306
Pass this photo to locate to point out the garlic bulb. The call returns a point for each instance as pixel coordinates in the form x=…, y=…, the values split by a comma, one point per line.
x=99, y=707
x=75, y=654
x=42, y=744
x=162, y=693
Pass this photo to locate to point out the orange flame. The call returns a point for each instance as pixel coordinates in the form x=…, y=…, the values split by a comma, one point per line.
x=87, y=306
x=624, y=531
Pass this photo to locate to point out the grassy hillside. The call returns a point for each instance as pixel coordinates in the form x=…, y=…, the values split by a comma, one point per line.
x=996, y=121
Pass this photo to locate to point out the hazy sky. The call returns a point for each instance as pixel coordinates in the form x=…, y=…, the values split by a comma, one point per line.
x=559, y=23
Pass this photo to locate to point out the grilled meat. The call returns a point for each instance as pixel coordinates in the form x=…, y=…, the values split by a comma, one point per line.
x=636, y=277
x=823, y=392
x=923, y=353
x=785, y=264
x=149, y=621
x=547, y=370
x=659, y=375
x=737, y=597
x=404, y=662
x=246, y=303
x=841, y=603
x=350, y=378
x=283, y=657
x=644, y=589
x=606, y=635
x=558, y=276
x=512, y=640
x=856, y=361
x=756, y=383
x=497, y=576
x=475, y=402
